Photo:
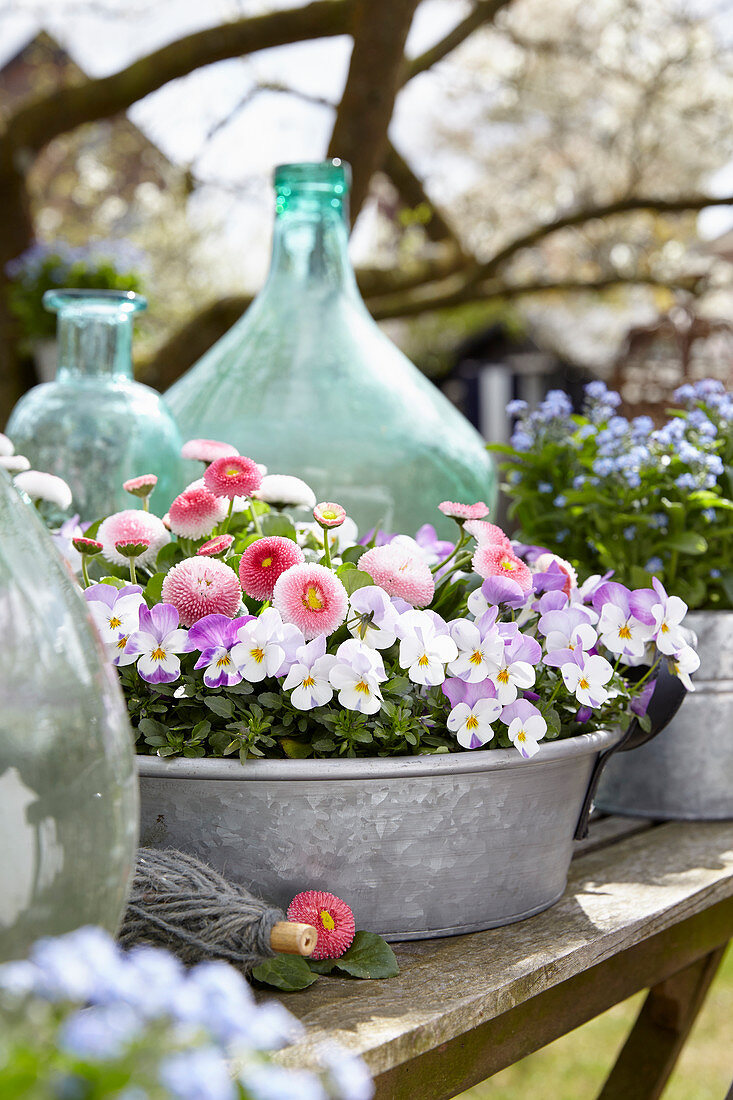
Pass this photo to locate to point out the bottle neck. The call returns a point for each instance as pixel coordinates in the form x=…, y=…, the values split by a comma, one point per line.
x=94, y=342
x=310, y=250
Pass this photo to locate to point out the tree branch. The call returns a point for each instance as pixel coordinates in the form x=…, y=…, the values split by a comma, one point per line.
x=412, y=191
x=375, y=76
x=383, y=309
x=46, y=117
x=589, y=213
x=484, y=12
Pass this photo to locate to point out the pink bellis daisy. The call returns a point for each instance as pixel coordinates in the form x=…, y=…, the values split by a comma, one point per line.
x=202, y=586
x=494, y=561
x=233, y=477
x=311, y=597
x=330, y=916
x=487, y=534
x=140, y=486
x=461, y=512
x=399, y=573
x=195, y=513
x=215, y=546
x=207, y=450
x=328, y=514
x=264, y=561
x=132, y=524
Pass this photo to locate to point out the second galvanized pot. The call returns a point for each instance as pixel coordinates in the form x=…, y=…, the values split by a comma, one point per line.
x=417, y=846
x=686, y=773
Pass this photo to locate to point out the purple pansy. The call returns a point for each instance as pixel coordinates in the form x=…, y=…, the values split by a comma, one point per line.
x=214, y=636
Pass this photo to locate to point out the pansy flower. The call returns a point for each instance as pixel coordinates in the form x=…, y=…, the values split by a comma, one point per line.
x=266, y=646
x=526, y=726
x=587, y=677
x=356, y=675
x=480, y=647
x=475, y=708
x=215, y=636
x=620, y=630
x=307, y=679
x=514, y=670
x=372, y=617
x=425, y=647
x=116, y=614
x=157, y=643
x=662, y=614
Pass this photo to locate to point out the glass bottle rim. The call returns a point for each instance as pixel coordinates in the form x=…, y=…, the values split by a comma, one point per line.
x=332, y=175
x=118, y=301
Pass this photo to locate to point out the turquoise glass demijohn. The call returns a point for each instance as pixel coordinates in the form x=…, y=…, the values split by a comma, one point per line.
x=308, y=384
x=68, y=790
x=94, y=425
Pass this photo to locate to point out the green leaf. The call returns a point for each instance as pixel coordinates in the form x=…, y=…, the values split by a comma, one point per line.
x=168, y=555
x=553, y=723
x=353, y=553
x=353, y=578
x=91, y=532
x=687, y=542
x=155, y=733
x=154, y=589
x=368, y=957
x=114, y=582
x=223, y=707
x=295, y=750
x=286, y=972
x=200, y=730
x=275, y=524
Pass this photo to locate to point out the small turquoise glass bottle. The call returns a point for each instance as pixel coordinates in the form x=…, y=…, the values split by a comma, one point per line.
x=308, y=384
x=68, y=789
x=95, y=426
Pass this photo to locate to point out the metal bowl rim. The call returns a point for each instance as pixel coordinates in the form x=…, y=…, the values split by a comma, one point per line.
x=396, y=767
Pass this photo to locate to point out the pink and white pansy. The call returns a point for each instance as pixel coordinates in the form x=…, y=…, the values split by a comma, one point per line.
x=480, y=648
x=587, y=677
x=157, y=644
x=475, y=709
x=526, y=726
x=514, y=671
x=620, y=630
x=356, y=675
x=266, y=646
x=372, y=617
x=308, y=679
x=116, y=614
x=683, y=664
x=565, y=631
x=426, y=647
x=214, y=637
x=663, y=615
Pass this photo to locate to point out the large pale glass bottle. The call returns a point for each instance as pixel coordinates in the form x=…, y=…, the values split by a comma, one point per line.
x=68, y=793
x=94, y=425
x=308, y=384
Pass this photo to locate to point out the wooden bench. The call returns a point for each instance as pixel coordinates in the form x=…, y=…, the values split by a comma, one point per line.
x=648, y=906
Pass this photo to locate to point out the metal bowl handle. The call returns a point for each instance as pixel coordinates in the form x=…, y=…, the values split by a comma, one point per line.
x=666, y=699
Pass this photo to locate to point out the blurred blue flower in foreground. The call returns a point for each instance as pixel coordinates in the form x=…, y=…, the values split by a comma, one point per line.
x=81, y=1017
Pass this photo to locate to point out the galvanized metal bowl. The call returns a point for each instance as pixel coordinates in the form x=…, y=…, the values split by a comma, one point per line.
x=686, y=773
x=418, y=846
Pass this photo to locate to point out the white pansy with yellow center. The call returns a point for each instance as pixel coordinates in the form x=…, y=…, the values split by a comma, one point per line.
x=356, y=675
x=426, y=647
x=308, y=678
x=260, y=651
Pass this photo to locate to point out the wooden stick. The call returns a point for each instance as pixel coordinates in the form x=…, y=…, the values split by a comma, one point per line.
x=290, y=938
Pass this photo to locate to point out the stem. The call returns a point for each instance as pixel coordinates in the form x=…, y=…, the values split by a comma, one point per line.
x=84, y=572
x=225, y=524
x=255, y=519
x=146, y=504
x=133, y=575
x=462, y=539
x=326, y=549
x=648, y=673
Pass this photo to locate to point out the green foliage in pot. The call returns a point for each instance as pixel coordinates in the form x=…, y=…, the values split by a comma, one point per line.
x=609, y=493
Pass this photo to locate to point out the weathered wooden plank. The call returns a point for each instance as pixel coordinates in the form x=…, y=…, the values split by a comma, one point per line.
x=650, y=1053
x=617, y=897
x=452, y=1067
x=609, y=830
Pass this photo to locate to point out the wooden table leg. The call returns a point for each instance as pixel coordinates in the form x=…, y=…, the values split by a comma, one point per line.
x=649, y=1055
